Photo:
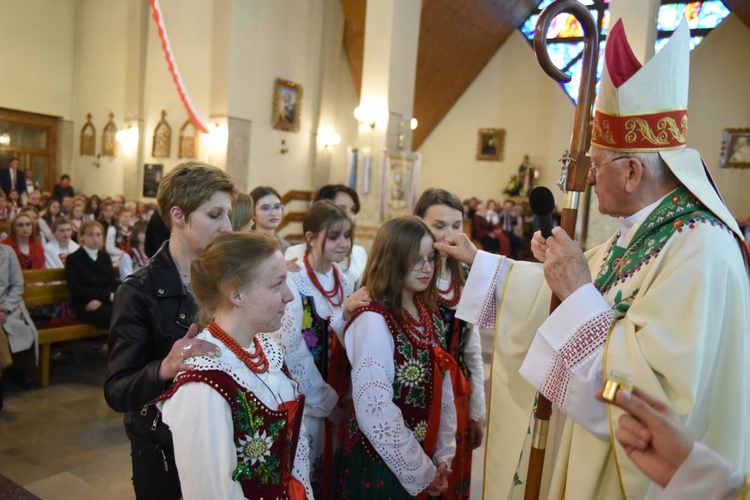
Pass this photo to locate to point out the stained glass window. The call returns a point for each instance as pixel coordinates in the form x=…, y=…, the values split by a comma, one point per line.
x=565, y=42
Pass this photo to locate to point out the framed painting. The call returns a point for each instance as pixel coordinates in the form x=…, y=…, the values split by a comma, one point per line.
x=490, y=144
x=735, y=148
x=400, y=178
x=287, y=104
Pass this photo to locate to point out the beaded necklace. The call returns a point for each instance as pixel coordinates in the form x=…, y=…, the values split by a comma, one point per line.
x=412, y=325
x=337, y=291
x=455, y=288
x=257, y=363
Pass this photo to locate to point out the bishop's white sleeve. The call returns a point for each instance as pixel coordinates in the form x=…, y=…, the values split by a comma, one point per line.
x=201, y=423
x=483, y=289
x=370, y=348
x=705, y=475
x=301, y=466
x=475, y=363
x=445, y=449
x=320, y=398
x=565, y=360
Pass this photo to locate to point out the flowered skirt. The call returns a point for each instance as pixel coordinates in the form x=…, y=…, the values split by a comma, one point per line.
x=359, y=476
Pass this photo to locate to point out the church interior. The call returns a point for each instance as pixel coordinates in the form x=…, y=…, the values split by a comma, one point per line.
x=389, y=96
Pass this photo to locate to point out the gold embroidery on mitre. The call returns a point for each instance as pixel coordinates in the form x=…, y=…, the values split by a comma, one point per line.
x=602, y=131
x=668, y=123
x=634, y=126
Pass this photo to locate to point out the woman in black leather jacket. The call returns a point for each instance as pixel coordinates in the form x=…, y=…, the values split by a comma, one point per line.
x=150, y=339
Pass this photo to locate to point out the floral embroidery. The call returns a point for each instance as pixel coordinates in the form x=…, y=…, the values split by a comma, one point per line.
x=376, y=404
x=420, y=431
x=255, y=449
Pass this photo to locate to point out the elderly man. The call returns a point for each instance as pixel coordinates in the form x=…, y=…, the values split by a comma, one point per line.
x=666, y=299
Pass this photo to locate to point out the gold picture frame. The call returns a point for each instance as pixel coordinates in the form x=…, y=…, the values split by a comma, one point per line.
x=162, y=144
x=490, y=144
x=109, y=137
x=735, y=148
x=88, y=138
x=287, y=105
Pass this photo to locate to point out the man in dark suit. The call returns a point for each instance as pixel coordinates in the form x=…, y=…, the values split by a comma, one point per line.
x=12, y=178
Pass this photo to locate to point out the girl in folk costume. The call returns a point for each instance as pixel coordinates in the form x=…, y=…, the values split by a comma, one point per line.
x=134, y=257
x=236, y=418
x=314, y=354
x=403, y=437
x=442, y=211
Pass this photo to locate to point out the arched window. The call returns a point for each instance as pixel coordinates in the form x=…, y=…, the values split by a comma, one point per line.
x=565, y=36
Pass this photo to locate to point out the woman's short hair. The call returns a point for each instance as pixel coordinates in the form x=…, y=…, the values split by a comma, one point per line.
x=243, y=211
x=394, y=252
x=62, y=221
x=229, y=261
x=329, y=192
x=190, y=184
x=321, y=217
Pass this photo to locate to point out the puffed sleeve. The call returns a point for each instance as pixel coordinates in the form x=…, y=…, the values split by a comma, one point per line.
x=320, y=398
x=205, y=459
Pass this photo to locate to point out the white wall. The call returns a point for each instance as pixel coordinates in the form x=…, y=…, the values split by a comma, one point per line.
x=38, y=55
x=512, y=93
x=719, y=99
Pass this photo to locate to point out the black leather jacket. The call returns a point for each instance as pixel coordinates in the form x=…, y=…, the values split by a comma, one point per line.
x=151, y=311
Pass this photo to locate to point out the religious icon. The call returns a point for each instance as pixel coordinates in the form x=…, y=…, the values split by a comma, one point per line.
x=287, y=102
x=490, y=143
x=401, y=174
x=162, y=138
x=88, y=138
x=109, y=143
x=736, y=148
x=188, y=145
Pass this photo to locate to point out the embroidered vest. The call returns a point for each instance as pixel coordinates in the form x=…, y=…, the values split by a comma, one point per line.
x=327, y=352
x=265, y=439
x=414, y=362
x=676, y=213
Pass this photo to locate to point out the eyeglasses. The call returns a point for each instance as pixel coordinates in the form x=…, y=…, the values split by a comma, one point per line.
x=276, y=207
x=421, y=262
x=591, y=175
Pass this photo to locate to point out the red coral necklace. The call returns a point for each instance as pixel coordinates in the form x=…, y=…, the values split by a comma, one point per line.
x=455, y=288
x=335, y=295
x=412, y=325
x=258, y=363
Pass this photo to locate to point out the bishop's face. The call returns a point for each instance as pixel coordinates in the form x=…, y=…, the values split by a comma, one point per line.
x=608, y=175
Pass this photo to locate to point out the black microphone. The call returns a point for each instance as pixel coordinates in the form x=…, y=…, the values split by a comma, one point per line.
x=542, y=203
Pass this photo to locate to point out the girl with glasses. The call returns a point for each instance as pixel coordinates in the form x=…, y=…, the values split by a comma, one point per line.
x=314, y=354
x=403, y=437
x=268, y=213
x=443, y=213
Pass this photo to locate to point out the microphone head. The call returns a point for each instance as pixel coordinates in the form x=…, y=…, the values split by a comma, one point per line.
x=541, y=201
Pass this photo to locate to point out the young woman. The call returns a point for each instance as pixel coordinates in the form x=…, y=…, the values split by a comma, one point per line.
x=243, y=211
x=403, y=437
x=91, y=208
x=118, y=235
x=21, y=239
x=91, y=278
x=443, y=213
x=50, y=213
x=314, y=354
x=134, y=256
x=268, y=213
x=76, y=219
x=56, y=251
x=106, y=215
x=347, y=199
x=237, y=418
x=149, y=341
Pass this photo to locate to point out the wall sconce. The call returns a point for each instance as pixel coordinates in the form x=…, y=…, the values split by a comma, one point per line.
x=128, y=138
x=5, y=138
x=328, y=138
x=371, y=113
x=413, y=124
x=217, y=137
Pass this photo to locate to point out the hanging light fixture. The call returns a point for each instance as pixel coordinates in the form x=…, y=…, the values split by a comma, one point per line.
x=5, y=138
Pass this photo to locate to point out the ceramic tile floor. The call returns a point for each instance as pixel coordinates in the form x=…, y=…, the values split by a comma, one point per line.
x=64, y=442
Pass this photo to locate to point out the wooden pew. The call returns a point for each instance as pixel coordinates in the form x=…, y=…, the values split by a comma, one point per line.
x=44, y=287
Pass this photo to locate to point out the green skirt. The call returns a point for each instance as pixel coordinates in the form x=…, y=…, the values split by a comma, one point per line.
x=359, y=476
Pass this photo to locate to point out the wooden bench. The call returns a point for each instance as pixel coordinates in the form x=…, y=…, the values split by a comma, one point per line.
x=46, y=287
